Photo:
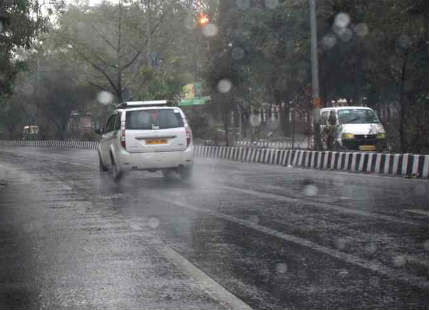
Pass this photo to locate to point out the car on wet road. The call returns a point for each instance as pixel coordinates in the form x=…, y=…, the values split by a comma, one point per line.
x=146, y=135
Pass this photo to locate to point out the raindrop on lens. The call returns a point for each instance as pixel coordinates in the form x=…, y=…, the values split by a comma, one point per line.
x=399, y=261
x=426, y=245
x=255, y=120
x=374, y=281
x=224, y=86
x=237, y=53
x=254, y=219
x=28, y=89
x=361, y=29
x=340, y=243
x=153, y=222
x=189, y=22
x=342, y=20
x=271, y=4
x=371, y=248
x=242, y=4
x=210, y=30
x=404, y=41
x=281, y=268
x=329, y=41
x=310, y=190
x=104, y=97
x=346, y=35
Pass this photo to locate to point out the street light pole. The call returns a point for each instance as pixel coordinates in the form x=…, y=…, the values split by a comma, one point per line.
x=315, y=75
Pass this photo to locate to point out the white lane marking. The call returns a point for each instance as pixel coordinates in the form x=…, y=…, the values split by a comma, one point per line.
x=318, y=205
x=203, y=281
x=419, y=282
x=419, y=212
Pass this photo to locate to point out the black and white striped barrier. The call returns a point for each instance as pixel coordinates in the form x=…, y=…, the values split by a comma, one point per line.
x=88, y=145
x=380, y=163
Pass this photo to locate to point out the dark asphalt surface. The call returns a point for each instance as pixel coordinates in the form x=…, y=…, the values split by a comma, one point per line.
x=274, y=237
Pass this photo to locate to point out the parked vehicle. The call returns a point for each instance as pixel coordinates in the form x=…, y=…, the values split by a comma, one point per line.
x=351, y=128
x=146, y=135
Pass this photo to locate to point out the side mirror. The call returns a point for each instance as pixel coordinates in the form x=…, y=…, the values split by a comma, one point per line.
x=99, y=131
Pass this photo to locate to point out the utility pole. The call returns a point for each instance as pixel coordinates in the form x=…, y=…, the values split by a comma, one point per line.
x=315, y=75
x=148, y=34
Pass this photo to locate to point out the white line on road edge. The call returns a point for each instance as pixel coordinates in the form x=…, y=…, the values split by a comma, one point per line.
x=203, y=281
x=318, y=205
x=398, y=275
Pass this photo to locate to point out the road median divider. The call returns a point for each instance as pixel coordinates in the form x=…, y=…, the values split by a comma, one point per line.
x=406, y=165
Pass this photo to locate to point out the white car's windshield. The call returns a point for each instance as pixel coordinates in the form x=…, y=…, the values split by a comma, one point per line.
x=357, y=116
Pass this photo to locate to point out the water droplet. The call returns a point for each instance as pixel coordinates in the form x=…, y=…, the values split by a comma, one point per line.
x=342, y=20
x=254, y=219
x=343, y=273
x=340, y=243
x=345, y=35
x=189, y=22
x=361, y=29
x=210, y=30
x=104, y=97
x=281, y=268
x=224, y=86
x=399, y=260
x=237, y=53
x=28, y=89
x=329, y=41
x=404, y=41
x=420, y=189
x=255, y=120
x=242, y=4
x=374, y=281
x=426, y=245
x=370, y=248
x=271, y=4
x=153, y=222
x=310, y=190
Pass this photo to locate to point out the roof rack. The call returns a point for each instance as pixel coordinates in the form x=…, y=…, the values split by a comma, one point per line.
x=136, y=104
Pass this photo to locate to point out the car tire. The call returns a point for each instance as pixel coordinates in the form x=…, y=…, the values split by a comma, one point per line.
x=101, y=166
x=168, y=174
x=186, y=173
x=116, y=171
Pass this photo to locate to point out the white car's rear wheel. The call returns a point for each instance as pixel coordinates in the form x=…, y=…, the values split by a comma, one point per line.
x=116, y=171
x=185, y=173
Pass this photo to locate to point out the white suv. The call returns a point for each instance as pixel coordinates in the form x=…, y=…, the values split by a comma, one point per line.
x=146, y=135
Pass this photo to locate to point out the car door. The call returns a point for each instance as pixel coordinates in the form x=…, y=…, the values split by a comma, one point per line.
x=107, y=139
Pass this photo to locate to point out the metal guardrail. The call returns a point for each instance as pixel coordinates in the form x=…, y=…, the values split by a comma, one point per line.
x=409, y=165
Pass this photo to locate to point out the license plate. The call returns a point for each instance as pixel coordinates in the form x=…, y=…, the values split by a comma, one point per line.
x=156, y=141
x=367, y=148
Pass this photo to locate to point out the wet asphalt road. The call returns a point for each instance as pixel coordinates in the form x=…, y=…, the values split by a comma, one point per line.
x=238, y=236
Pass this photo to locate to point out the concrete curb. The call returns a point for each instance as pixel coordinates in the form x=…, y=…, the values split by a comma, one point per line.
x=412, y=165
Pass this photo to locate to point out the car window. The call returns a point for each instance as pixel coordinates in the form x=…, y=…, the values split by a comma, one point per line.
x=110, y=123
x=357, y=116
x=117, y=125
x=154, y=119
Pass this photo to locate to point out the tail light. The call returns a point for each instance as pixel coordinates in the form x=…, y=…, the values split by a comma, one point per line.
x=188, y=137
x=123, y=144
